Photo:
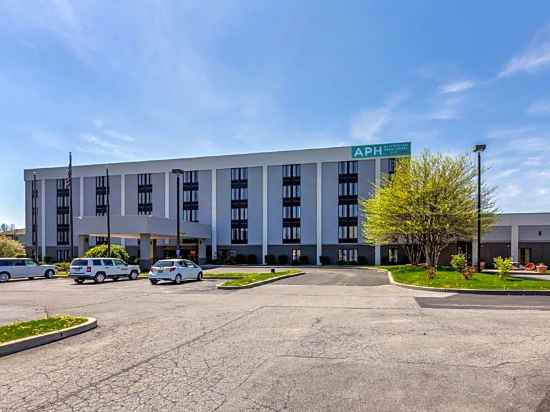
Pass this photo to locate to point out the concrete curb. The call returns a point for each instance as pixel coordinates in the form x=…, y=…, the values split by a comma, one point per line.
x=32, y=341
x=469, y=291
x=261, y=282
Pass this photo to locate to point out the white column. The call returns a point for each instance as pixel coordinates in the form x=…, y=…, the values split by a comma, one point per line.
x=123, y=202
x=377, y=175
x=43, y=217
x=514, y=243
x=214, y=239
x=81, y=197
x=264, y=212
x=167, y=195
x=319, y=225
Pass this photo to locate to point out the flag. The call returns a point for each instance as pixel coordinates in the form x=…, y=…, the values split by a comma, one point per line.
x=69, y=179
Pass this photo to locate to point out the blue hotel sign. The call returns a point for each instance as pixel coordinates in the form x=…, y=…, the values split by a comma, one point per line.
x=381, y=150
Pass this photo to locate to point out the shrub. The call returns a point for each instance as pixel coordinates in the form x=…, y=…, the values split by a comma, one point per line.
x=252, y=259
x=11, y=248
x=132, y=260
x=270, y=260
x=283, y=259
x=362, y=260
x=63, y=266
x=229, y=260
x=303, y=260
x=503, y=266
x=458, y=262
x=325, y=260
x=468, y=272
x=240, y=259
x=431, y=271
x=117, y=252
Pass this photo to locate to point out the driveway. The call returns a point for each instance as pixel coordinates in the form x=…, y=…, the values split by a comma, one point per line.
x=312, y=347
x=339, y=277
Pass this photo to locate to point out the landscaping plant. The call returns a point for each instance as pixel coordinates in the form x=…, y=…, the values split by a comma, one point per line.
x=460, y=264
x=11, y=248
x=503, y=266
x=428, y=203
x=117, y=252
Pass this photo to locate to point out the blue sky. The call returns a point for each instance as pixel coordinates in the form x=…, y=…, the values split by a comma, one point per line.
x=126, y=80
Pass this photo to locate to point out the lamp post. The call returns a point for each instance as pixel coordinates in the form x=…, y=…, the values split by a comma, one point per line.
x=108, y=213
x=479, y=148
x=34, y=186
x=177, y=172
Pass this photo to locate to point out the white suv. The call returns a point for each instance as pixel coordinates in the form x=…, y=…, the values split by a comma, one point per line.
x=99, y=269
x=14, y=268
x=174, y=270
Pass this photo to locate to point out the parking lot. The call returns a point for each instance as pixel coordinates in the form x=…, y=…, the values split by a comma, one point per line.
x=333, y=339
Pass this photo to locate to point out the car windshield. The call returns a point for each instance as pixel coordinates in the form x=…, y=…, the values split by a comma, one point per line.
x=79, y=262
x=164, y=263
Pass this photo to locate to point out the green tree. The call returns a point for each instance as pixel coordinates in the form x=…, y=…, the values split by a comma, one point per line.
x=429, y=202
x=11, y=248
x=117, y=252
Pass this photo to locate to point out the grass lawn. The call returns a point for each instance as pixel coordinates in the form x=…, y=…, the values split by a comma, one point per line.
x=241, y=279
x=446, y=278
x=21, y=330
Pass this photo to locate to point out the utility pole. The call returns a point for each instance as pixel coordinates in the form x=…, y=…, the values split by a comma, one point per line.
x=108, y=214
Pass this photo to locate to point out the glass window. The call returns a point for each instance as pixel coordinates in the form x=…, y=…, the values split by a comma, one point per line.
x=30, y=263
x=164, y=263
x=107, y=262
x=96, y=262
x=79, y=262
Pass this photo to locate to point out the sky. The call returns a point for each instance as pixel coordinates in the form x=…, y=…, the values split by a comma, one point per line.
x=126, y=80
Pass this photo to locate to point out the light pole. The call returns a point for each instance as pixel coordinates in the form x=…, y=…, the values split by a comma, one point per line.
x=34, y=186
x=177, y=172
x=478, y=148
x=108, y=213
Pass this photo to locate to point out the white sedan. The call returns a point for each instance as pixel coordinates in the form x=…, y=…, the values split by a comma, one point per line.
x=175, y=270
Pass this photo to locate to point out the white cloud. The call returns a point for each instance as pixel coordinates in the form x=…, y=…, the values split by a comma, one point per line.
x=368, y=123
x=534, y=58
x=505, y=173
x=509, y=133
x=457, y=87
x=445, y=114
x=540, y=107
x=119, y=136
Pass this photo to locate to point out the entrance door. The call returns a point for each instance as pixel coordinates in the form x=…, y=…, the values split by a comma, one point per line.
x=524, y=255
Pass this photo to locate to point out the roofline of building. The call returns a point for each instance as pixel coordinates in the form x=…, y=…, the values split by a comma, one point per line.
x=252, y=159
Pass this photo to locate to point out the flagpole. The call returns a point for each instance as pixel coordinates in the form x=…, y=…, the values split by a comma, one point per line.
x=71, y=254
x=108, y=215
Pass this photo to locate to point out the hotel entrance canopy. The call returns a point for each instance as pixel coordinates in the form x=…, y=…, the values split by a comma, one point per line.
x=135, y=226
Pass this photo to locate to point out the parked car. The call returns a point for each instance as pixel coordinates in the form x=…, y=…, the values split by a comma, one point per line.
x=16, y=268
x=175, y=270
x=99, y=269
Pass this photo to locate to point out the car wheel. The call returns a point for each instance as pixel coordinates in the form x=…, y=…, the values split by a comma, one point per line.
x=133, y=275
x=49, y=274
x=154, y=281
x=177, y=279
x=199, y=276
x=4, y=277
x=79, y=281
x=99, y=277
